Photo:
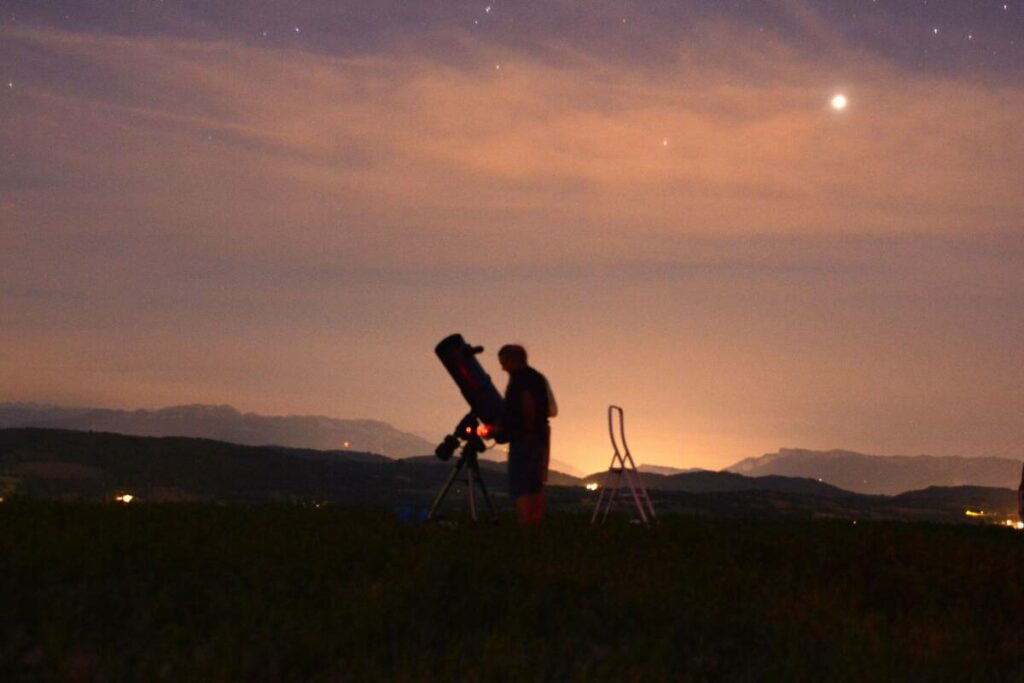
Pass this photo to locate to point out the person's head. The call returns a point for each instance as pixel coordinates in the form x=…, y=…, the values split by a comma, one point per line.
x=512, y=357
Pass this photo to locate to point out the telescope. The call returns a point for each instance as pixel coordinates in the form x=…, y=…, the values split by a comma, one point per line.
x=485, y=405
x=459, y=359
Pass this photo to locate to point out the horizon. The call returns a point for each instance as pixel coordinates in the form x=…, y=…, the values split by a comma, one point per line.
x=795, y=221
x=497, y=452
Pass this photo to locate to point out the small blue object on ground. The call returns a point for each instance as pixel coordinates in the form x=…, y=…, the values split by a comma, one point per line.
x=408, y=514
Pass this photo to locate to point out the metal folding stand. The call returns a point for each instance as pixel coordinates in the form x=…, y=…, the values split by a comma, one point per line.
x=467, y=462
x=622, y=481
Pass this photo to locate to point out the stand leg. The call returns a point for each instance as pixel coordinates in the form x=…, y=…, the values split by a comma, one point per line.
x=600, y=501
x=444, y=491
x=473, y=479
x=487, y=496
x=613, y=497
x=469, y=491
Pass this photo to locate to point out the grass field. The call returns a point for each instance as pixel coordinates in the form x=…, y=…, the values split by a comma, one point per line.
x=197, y=592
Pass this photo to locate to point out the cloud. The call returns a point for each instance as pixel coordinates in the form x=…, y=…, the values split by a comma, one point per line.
x=224, y=218
x=405, y=145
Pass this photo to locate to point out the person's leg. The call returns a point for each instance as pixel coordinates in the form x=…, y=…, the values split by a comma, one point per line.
x=540, y=507
x=530, y=508
x=540, y=504
x=527, y=465
x=523, y=510
x=517, y=479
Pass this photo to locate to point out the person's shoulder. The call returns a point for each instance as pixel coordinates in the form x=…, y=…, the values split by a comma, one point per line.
x=534, y=377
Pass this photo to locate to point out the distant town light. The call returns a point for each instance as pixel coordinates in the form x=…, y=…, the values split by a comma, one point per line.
x=974, y=513
x=592, y=486
x=125, y=498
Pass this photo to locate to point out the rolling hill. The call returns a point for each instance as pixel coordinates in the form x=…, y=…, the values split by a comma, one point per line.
x=708, y=481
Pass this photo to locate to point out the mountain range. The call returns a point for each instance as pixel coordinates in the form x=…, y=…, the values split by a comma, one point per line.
x=224, y=423
x=97, y=466
x=847, y=470
x=878, y=474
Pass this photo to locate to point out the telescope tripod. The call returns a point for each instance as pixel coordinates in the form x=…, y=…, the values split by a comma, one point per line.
x=467, y=462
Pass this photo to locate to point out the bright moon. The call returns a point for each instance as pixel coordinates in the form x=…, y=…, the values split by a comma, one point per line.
x=839, y=102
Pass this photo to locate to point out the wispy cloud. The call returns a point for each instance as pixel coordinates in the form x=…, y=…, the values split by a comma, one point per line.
x=264, y=198
x=742, y=144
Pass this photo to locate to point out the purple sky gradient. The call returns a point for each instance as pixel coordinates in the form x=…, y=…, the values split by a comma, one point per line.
x=665, y=210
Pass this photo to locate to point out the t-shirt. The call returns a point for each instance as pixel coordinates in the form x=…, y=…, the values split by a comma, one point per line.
x=523, y=381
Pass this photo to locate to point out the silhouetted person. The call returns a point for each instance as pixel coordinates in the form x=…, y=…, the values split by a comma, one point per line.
x=527, y=407
x=1020, y=497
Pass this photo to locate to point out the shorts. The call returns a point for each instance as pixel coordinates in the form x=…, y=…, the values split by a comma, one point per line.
x=527, y=465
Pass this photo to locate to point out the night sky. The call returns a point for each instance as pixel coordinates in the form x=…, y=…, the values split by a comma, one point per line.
x=283, y=206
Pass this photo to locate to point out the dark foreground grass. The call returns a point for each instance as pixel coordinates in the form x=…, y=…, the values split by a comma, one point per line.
x=297, y=593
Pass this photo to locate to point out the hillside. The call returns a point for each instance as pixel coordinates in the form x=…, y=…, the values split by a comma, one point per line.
x=224, y=423
x=68, y=465
x=71, y=465
x=666, y=470
x=707, y=481
x=499, y=468
x=877, y=474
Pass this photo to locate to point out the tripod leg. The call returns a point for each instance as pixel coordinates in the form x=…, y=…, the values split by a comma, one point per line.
x=444, y=491
x=487, y=496
x=469, y=491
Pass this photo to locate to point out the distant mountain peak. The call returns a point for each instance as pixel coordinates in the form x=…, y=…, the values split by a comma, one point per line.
x=197, y=410
x=224, y=423
x=888, y=474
